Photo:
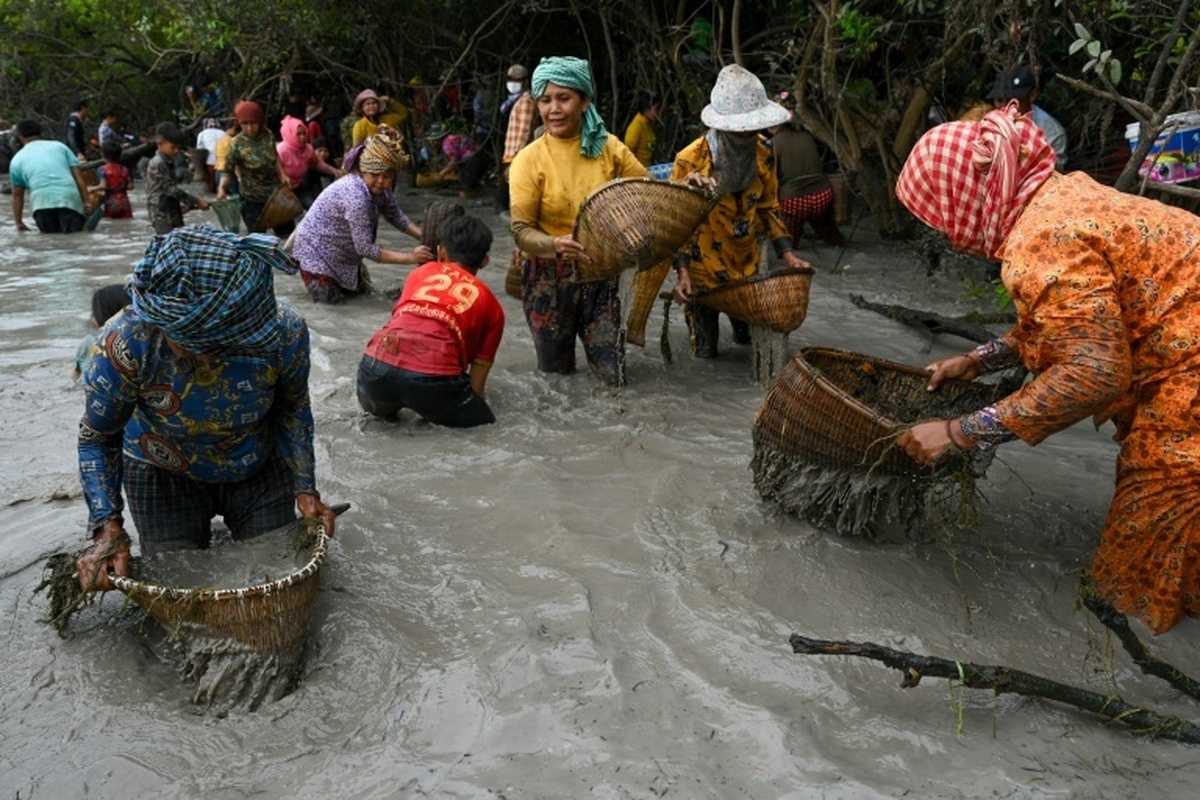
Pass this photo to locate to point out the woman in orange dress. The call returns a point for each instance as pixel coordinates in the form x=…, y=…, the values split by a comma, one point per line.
x=1108, y=320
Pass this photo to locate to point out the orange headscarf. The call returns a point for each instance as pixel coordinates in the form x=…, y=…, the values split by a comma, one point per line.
x=971, y=180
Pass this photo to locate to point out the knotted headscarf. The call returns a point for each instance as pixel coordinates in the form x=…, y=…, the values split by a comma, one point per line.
x=212, y=292
x=971, y=180
x=382, y=152
x=574, y=73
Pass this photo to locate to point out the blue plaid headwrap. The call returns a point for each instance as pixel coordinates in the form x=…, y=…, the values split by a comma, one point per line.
x=573, y=73
x=211, y=291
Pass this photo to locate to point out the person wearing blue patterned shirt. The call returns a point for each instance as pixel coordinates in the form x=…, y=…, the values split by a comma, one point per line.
x=197, y=403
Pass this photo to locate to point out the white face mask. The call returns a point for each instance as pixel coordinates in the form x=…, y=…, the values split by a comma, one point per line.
x=514, y=86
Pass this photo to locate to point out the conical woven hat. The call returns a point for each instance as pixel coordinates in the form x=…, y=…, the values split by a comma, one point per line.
x=636, y=222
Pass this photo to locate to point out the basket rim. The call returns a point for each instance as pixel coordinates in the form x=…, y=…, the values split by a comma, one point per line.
x=658, y=187
x=786, y=272
x=842, y=394
x=130, y=586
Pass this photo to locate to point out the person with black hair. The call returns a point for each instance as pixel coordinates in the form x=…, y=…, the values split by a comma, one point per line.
x=115, y=182
x=107, y=131
x=74, y=134
x=107, y=302
x=640, y=135
x=49, y=173
x=434, y=354
x=166, y=201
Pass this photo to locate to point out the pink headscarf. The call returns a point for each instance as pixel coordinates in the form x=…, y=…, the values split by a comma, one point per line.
x=971, y=180
x=294, y=157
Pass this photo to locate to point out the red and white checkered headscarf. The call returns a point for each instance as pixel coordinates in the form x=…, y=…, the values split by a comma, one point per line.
x=971, y=180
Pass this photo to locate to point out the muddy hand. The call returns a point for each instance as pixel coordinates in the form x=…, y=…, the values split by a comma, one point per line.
x=964, y=366
x=683, y=288
x=108, y=555
x=926, y=442
x=566, y=247
x=311, y=507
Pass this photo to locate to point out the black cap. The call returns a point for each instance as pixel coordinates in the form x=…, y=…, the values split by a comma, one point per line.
x=1013, y=84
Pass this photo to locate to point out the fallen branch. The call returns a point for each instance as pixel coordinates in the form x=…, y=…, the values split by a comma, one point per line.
x=1004, y=680
x=1118, y=623
x=969, y=327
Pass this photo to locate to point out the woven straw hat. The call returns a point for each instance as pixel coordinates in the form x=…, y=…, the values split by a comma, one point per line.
x=739, y=103
x=636, y=222
x=364, y=96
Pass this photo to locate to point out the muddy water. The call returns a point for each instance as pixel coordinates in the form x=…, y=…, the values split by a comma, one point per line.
x=587, y=599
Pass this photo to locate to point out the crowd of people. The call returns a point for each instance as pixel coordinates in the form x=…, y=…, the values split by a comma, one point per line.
x=1103, y=285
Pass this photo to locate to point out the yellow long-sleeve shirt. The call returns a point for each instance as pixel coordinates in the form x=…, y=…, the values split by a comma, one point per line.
x=549, y=180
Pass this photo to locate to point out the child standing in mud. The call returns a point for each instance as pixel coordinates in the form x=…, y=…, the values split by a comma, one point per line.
x=165, y=200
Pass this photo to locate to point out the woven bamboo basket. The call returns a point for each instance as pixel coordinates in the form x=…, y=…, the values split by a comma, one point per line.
x=269, y=618
x=776, y=300
x=837, y=408
x=282, y=206
x=636, y=223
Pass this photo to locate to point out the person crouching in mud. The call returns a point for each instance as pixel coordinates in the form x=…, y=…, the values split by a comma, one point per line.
x=434, y=354
x=195, y=419
x=1107, y=314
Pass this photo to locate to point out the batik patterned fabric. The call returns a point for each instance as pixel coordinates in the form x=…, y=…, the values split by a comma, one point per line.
x=725, y=246
x=217, y=421
x=558, y=310
x=1109, y=322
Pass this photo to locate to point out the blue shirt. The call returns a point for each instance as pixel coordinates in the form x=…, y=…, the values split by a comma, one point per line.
x=217, y=422
x=43, y=168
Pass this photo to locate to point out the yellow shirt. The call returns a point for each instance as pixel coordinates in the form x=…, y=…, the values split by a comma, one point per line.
x=549, y=180
x=222, y=149
x=639, y=137
x=394, y=117
x=724, y=247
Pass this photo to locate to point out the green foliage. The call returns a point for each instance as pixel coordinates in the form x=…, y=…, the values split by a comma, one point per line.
x=1100, y=61
x=859, y=32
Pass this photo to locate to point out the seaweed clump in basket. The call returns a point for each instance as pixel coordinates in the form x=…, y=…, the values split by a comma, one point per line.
x=824, y=444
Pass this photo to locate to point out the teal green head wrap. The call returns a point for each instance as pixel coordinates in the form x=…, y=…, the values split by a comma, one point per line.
x=574, y=73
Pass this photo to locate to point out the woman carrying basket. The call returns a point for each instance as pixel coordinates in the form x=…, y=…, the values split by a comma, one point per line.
x=732, y=156
x=1107, y=320
x=548, y=181
x=253, y=161
x=192, y=418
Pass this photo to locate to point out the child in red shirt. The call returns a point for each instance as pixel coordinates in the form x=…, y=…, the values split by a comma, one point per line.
x=434, y=354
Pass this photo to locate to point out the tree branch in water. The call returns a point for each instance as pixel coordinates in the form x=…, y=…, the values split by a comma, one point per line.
x=1117, y=622
x=1004, y=680
x=970, y=327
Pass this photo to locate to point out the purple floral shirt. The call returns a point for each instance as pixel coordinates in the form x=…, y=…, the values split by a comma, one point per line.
x=338, y=232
